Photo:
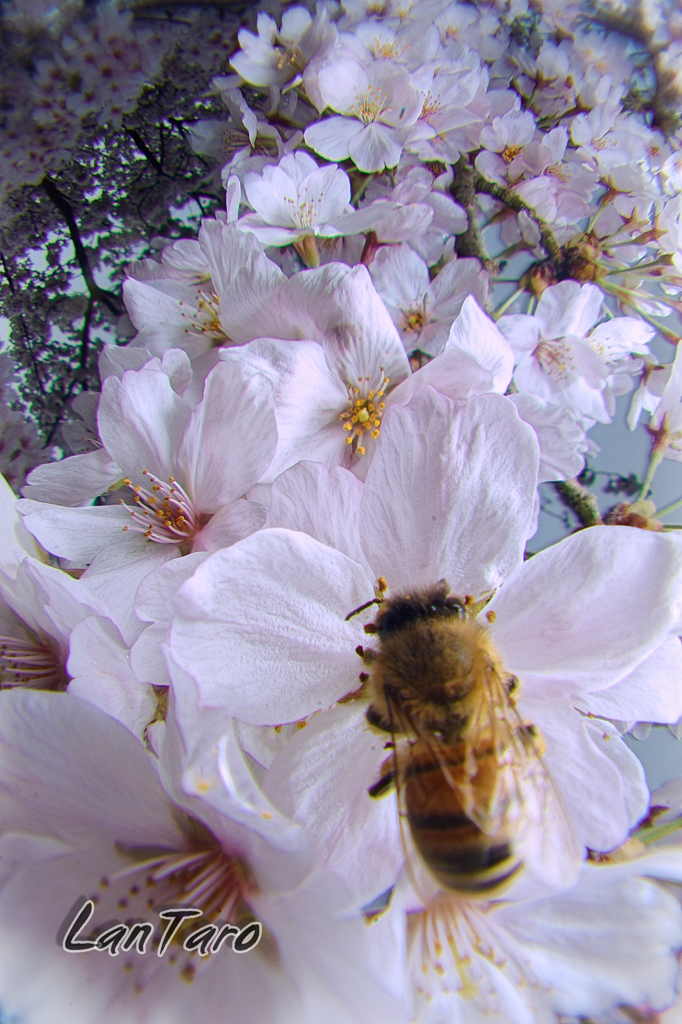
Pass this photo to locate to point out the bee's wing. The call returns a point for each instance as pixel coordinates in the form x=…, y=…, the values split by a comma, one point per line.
x=545, y=839
x=406, y=739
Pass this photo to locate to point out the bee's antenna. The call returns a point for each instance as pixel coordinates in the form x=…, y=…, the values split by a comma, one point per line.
x=367, y=604
x=379, y=591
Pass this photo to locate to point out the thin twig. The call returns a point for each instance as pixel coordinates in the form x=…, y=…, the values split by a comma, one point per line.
x=64, y=207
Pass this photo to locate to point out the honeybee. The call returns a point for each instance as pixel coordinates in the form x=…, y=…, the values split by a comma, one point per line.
x=468, y=771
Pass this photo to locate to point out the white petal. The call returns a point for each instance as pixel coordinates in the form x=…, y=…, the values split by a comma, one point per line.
x=75, y=480
x=60, y=756
x=357, y=838
x=141, y=422
x=591, y=786
x=606, y=942
x=468, y=524
x=99, y=665
x=260, y=627
x=561, y=626
x=322, y=502
x=652, y=692
x=332, y=136
x=231, y=438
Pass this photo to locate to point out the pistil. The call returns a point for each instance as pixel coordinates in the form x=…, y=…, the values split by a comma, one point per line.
x=365, y=412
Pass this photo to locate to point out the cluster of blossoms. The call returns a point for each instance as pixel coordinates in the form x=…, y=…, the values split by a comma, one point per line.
x=67, y=65
x=320, y=411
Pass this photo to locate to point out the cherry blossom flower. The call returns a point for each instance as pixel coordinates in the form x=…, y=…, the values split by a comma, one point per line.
x=422, y=309
x=376, y=102
x=91, y=811
x=297, y=200
x=278, y=56
x=559, y=361
x=184, y=471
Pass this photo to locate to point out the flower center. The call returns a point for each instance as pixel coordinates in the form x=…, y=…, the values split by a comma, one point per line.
x=206, y=878
x=385, y=49
x=451, y=949
x=555, y=359
x=206, y=318
x=371, y=106
x=415, y=318
x=364, y=413
x=289, y=56
x=164, y=512
x=431, y=105
x=303, y=212
x=509, y=153
x=30, y=663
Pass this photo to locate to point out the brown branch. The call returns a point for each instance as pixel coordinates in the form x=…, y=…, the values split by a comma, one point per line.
x=579, y=500
x=64, y=207
x=463, y=189
x=80, y=376
x=513, y=201
x=144, y=149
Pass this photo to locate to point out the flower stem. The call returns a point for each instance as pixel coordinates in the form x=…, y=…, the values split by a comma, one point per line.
x=669, y=508
x=657, y=453
x=503, y=307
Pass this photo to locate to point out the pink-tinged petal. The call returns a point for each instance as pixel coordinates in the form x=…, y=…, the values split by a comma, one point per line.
x=60, y=757
x=450, y=493
x=340, y=307
x=475, y=333
x=116, y=573
x=375, y=147
x=229, y=251
x=152, y=605
x=608, y=941
x=521, y=331
x=341, y=82
x=150, y=304
x=267, y=235
x=260, y=627
x=141, y=422
x=322, y=502
x=635, y=790
x=99, y=664
x=273, y=195
x=453, y=373
x=308, y=398
x=231, y=438
x=650, y=693
x=17, y=541
x=357, y=838
x=562, y=628
x=362, y=341
x=75, y=480
x=78, y=534
x=232, y=523
x=568, y=308
x=333, y=961
x=492, y=167
x=562, y=439
x=332, y=136
x=206, y=773
x=588, y=782
x=49, y=601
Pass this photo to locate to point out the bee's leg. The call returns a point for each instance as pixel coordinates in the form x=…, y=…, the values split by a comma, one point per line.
x=375, y=718
x=367, y=654
x=384, y=786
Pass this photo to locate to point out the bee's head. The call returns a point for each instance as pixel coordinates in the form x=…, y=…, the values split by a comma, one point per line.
x=435, y=603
